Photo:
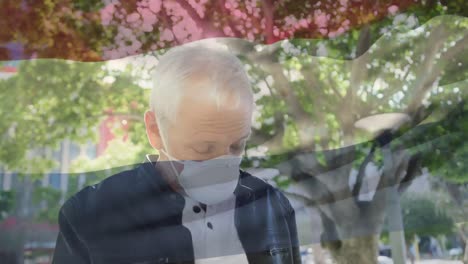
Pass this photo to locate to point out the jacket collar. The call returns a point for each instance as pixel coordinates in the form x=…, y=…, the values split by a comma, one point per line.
x=148, y=168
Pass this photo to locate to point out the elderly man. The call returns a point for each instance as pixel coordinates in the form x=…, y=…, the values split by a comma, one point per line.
x=192, y=203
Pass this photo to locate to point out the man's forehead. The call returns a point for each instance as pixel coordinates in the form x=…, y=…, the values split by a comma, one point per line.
x=205, y=106
x=203, y=122
x=217, y=124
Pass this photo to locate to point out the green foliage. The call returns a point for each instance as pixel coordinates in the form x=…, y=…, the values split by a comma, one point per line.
x=421, y=217
x=50, y=100
x=47, y=200
x=291, y=137
x=272, y=160
x=442, y=145
x=282, y=181
x=88, y=5
x=118, y=155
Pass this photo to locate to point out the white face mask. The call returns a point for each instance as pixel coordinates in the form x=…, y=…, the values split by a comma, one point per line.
x=209, y=181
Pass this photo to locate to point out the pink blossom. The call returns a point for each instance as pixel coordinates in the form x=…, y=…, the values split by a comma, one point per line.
x=179, y=31
x=166, y=35
x=256, y=12
x=126, y=32
x=323, y=31
x=321, y=20
x=147, y=27
x=154, y=5
x=135, y=46
x=133, y=17
x=192, y=28
x=303, y=22
x=149, y=18
x=227, y=30
x=392, y=9
x=106, y=14
x=110, y=54
x=340, y=31
x=237, y=13
x=175, y=9
x=290, y=20
x=276, y=31
x=249, y=8
x=199, y=8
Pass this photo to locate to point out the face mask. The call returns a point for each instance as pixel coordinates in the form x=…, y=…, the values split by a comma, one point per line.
x=209, y=181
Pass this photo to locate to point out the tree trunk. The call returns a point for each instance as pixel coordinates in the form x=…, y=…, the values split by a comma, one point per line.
x=359, y=250
x=461, y=231
x=465, y=256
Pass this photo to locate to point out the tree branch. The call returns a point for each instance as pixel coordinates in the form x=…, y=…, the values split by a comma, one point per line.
x=267, y=7
x=357, y=71
x=423, y=82
x=285, y=91
x=333, y=87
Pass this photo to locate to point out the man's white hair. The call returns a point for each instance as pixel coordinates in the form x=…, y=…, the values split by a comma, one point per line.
x=195, y=66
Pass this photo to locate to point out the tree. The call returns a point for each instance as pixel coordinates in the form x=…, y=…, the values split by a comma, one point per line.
x=68, y=100
x=96, y=30
x=422, y=217
x=315, y=126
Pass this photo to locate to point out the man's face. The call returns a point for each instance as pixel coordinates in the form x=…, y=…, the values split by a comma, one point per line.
x=202, y=132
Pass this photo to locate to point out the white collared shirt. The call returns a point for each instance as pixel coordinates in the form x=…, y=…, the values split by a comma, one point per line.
x=214, y=234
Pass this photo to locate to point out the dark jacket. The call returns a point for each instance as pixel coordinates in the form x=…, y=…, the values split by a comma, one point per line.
x=135, y=217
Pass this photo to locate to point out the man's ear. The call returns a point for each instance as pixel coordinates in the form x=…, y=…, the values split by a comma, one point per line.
x=152, y=130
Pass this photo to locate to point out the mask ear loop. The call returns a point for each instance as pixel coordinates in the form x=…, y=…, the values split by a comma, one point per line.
x=171, y=161
x=167, y=154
